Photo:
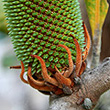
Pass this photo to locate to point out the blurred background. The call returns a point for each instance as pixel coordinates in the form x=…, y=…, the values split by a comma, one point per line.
x=14, y=94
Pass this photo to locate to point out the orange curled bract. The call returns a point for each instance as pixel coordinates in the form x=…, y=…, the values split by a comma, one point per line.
x=22, y=73
x=88, y=43
x=46, y=77
x=70, y=69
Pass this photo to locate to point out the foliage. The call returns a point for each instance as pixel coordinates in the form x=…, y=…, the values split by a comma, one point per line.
x=97, y=10
x=2, y=19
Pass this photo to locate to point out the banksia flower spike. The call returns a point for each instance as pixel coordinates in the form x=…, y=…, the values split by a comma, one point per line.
x=49, y=39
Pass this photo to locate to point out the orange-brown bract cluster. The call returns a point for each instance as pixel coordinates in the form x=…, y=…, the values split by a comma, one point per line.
x=59, y=82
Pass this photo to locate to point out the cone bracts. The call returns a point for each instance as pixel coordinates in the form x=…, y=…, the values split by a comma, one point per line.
x=43, y=30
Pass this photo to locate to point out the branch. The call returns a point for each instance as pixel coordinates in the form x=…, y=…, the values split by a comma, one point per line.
x=94, y=83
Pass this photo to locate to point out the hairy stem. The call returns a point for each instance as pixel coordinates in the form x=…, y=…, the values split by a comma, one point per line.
x=96, y=49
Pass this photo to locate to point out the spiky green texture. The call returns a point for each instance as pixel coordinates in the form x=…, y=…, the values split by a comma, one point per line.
x=38, y=26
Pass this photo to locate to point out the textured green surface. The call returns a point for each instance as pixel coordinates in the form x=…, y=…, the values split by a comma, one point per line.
x=38, y=26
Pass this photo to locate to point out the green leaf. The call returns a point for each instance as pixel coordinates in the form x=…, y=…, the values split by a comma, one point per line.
x=97, y=10
x=2, y=19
